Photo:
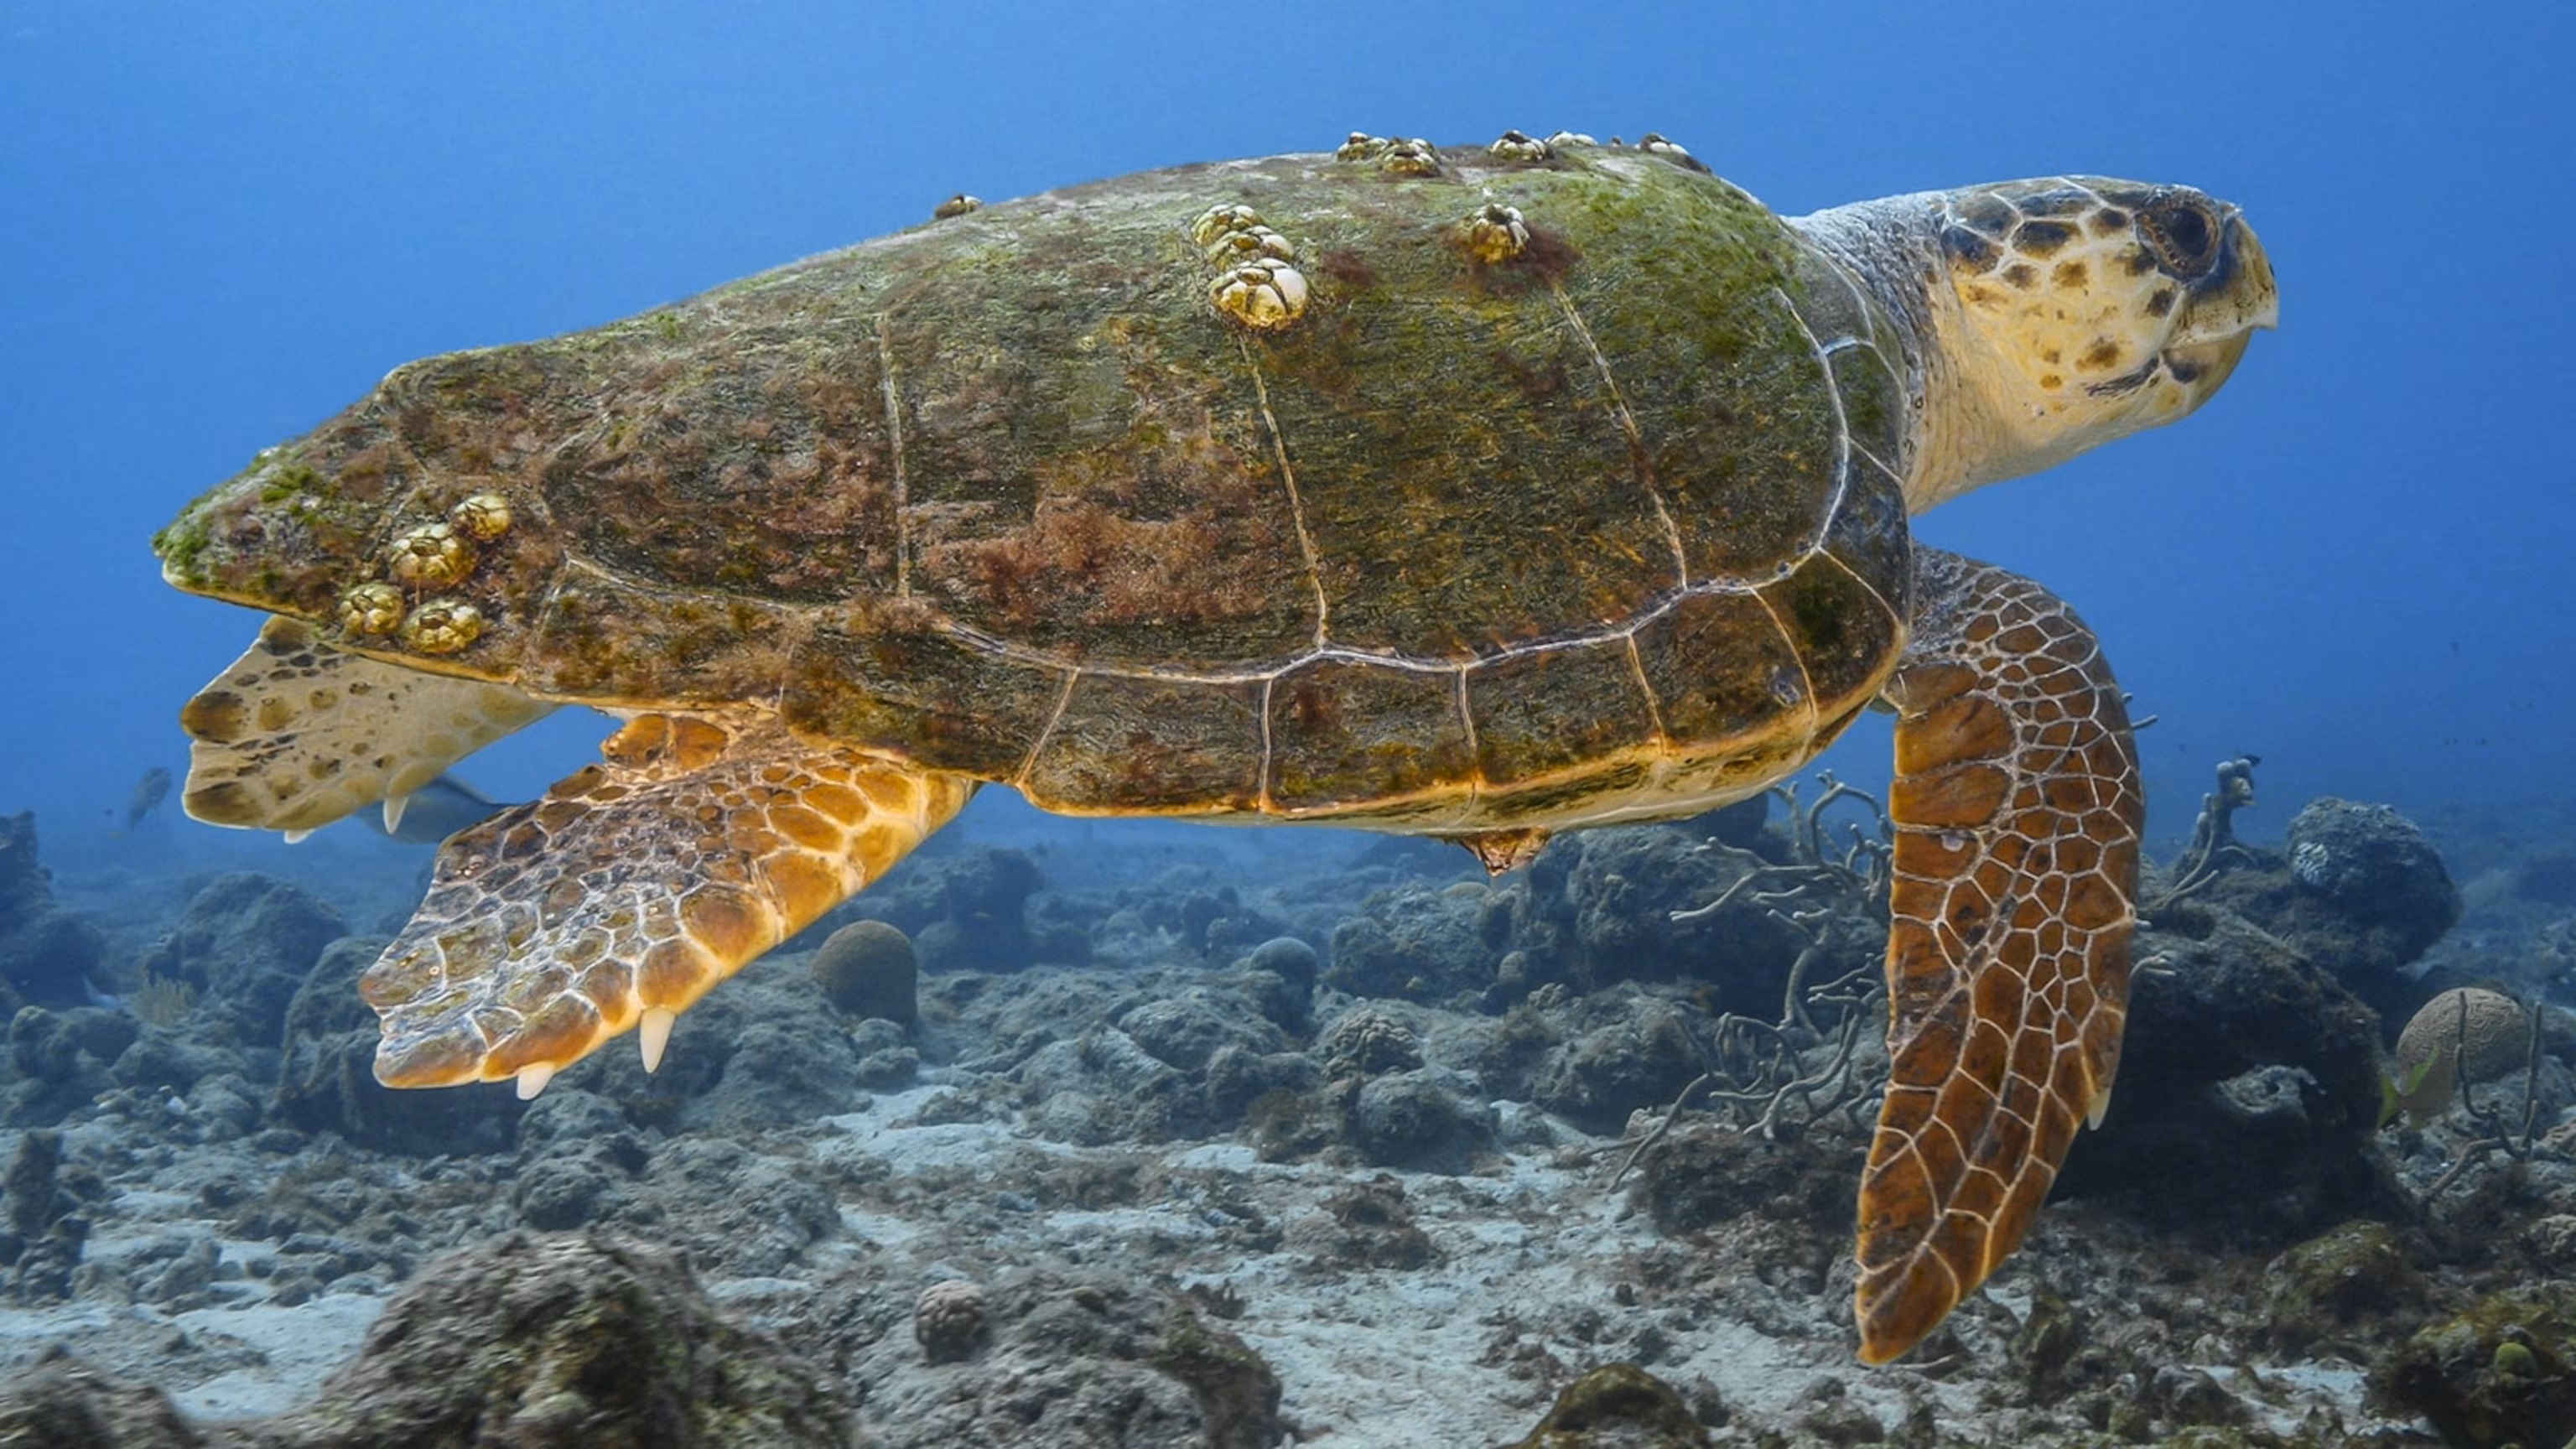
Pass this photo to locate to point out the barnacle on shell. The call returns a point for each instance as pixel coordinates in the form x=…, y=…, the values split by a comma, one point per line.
x=1411, y=158
x=1654, y=144
x=1517, y=146
x=957, y=205
x=1267, y=294
x=429, y=554
x=1496, y=234
x=442, y=626
x=483, y=516
x=1218, y=220
x=1244, y=244
x=371, y=609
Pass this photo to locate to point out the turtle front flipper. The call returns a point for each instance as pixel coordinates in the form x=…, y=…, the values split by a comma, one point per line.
x=2017, y=810
x=633, y=887
x=296, y=734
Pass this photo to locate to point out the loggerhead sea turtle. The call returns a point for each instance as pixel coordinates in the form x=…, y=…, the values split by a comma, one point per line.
x=1478, y=493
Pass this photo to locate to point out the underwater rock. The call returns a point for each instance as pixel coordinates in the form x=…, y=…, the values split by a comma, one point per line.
x=63, y=1061
x=984, y=893
x=965, y=910
x=1618, y=1406
x=886, y=1062
x=1631, y=1050
x=1185, y=1030
x=1237, y=1078
x=1702, y=1174
x=1075, y=1364
x=24, y=886
x=569, y=1121
x=2371, y=861
x=1420, y=943
x=1367, y=1225
x=2248, y=1089
x=1103, y=1086
x=561, y=1342
x=2499, y=1373
x=1425, y=1120
x=170, y=1058
x=43, y=1219
x=326, y=1080
x=784, y=1063
x=54, y=959
x=868, y=968
x=2339, y=1291
x=576, y=1156
x=558, y=1194
x=1097, y=1057
x=738, y=1213
x=48, y=956
x=63, y=1403
x=1623, y=892
x=1232, y=926
x=1060, y=928
x=2369, y=896
x=247, y=943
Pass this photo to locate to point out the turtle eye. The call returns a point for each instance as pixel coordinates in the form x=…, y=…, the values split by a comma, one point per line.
x=2183, y=235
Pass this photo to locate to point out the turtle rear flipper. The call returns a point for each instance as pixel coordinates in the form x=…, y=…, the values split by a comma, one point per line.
x=296, y=734
x=2017, y=809
x=633, y=887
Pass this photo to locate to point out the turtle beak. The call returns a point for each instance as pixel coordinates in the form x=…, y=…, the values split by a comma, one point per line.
x=2224, y=310
x=2237, y=295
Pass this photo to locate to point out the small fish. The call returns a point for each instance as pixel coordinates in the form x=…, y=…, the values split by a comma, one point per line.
x=434, y=812
x=148, y=794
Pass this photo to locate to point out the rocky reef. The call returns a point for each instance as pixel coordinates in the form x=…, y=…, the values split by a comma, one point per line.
x=1361, y=1148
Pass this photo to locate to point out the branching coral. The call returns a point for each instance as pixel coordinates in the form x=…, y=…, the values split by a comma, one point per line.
x=1834, y=894
x=2213, y=845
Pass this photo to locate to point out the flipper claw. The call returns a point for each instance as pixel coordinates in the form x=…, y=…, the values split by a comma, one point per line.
x=653, y=1034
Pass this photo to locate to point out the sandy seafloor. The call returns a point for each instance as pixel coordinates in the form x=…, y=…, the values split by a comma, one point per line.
x=1394, y=1185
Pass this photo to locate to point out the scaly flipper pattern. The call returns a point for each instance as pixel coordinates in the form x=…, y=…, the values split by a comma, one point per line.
x=296, y=734
x=2017, y=810
x=631, y=889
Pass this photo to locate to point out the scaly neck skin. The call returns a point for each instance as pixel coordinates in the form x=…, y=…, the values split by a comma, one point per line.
x=1892, y=249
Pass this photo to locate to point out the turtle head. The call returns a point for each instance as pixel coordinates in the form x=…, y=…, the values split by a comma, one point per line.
x=398, y=525
x=2072, y=310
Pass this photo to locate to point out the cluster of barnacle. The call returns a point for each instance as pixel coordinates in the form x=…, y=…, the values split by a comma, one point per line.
x=1398, y=155
x=422, y=558
x=1257, y=283
x=1496, y=233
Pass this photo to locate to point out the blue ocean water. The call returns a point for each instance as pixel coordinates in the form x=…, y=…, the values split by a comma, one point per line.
x=218, y=225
